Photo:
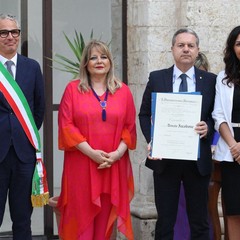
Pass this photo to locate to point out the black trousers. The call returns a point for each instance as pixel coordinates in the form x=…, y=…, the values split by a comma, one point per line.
x=16, y=182
x=167, y=189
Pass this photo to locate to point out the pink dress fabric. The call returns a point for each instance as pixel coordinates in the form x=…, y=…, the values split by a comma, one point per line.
x=80, y=119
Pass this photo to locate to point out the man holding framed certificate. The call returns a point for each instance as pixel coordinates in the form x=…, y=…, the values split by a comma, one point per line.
x=178, y=129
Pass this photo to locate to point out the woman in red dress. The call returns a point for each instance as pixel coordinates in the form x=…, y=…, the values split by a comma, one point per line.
x=96, y=129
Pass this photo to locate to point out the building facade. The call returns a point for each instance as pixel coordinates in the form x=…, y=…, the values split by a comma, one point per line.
x=140, y=32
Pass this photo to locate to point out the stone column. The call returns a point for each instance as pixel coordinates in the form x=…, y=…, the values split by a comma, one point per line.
x=140, y=60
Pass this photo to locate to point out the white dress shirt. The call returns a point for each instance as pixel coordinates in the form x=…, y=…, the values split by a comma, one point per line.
x=191, y=81
x=3, y=60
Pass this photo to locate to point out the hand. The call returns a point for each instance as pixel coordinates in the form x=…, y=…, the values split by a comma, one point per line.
x=99, y=156
x=201, y=129
x=149, y=150
x=235, y=151
x=237, y=159
x=112, y=157
x=104, y=165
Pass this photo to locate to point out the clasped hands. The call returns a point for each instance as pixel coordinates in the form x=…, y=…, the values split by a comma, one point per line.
x=104, y=159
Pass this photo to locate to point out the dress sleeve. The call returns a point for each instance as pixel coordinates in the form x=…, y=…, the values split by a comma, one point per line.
x=129, y=135
x=218, y=113
x=68, y=134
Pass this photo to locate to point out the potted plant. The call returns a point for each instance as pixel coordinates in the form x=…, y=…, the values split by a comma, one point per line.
x=76, y=46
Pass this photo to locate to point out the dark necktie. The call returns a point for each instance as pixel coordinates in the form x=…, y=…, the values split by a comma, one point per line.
x=183, y=85
x=9, y=65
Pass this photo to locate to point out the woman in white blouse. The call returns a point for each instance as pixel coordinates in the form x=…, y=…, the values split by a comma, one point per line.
x=227, y=122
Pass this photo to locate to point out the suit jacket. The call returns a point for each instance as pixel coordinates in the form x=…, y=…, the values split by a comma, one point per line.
x=161, y=81
x=30, y=80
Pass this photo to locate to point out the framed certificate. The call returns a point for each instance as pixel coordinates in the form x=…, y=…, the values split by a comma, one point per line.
x=174, y=117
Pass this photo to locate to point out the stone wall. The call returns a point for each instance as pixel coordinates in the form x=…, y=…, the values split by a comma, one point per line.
x=151, y=24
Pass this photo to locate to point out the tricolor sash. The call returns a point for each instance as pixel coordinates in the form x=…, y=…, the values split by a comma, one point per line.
x=16, y=99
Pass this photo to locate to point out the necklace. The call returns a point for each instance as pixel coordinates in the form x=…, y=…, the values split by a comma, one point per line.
x=103, y=103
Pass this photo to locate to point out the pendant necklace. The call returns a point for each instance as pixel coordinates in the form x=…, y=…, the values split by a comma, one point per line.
x=103, y=103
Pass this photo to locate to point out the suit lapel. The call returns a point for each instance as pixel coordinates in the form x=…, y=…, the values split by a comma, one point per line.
x=19, y=69
x=168, y=79
x=199, y=80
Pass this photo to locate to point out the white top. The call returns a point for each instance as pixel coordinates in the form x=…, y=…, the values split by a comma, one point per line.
x=223, y=113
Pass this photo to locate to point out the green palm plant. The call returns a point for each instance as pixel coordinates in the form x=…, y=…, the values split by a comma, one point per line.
x=76, y=45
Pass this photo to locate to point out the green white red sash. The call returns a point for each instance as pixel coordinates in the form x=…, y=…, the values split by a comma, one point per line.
x=16, y=99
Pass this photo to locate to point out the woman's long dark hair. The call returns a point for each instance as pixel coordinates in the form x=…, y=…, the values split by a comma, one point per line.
x=232, y=63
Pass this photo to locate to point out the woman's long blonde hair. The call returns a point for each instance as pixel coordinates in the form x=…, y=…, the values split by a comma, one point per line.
x=112, y=82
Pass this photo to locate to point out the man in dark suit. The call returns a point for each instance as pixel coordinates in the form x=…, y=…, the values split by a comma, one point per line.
x=169, y=173
x=17, y=155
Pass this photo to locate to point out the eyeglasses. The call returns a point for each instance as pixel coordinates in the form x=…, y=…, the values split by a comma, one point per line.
x=15, y=33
